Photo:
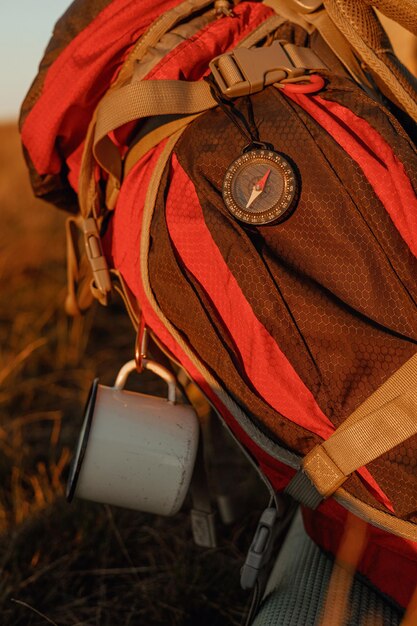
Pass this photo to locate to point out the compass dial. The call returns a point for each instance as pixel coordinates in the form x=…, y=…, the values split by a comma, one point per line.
x=259, y=187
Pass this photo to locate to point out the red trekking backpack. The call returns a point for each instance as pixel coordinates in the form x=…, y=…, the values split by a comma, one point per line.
x=249, y=172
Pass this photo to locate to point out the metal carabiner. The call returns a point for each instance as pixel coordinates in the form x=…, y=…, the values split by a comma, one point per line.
x=141, y=345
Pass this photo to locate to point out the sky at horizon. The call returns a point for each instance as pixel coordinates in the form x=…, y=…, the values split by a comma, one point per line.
x=25, y=29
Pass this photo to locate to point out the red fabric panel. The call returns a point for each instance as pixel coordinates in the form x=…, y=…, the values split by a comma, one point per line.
x=389, y=562
x=374, y=156
x=189, y=60
x=79, y=78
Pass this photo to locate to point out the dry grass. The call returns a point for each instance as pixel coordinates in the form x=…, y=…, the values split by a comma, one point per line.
x=80, y=564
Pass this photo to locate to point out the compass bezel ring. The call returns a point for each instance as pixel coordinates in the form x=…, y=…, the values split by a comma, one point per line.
x=284, y=202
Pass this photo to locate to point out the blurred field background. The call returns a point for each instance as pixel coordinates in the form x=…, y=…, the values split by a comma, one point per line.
x=84, y=563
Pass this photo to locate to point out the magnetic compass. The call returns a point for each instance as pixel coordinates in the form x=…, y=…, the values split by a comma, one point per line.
x=259, y=186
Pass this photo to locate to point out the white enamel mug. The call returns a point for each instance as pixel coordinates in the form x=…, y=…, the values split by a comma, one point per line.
x=135, y=451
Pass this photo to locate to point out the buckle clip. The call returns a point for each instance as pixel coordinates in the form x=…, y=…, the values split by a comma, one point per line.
x=95, y=256
x=246, y=71
x=260, y=551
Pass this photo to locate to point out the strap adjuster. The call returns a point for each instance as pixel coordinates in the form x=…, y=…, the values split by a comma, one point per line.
x=96, y=257
x=248, y=70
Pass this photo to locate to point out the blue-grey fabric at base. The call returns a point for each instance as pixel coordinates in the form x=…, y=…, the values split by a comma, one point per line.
x=296, y=593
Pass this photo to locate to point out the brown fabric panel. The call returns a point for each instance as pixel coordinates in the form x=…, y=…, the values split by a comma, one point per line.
x=396, y=472
x=344, y=328
x=398, y=481
x=52, y=188
x=380, y=118
x=205, y=151
x=184, y=301
x=172, y=290
x=400, y=257
x=390, y=304
x=189, y=309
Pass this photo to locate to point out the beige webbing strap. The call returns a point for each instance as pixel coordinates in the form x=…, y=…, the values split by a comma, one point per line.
x=86, y=181
x=79, y=296
x=143, y=99
x=109, y=153
x=386, y=419
x=172, y=97
x=287, y=11
x=155, y=181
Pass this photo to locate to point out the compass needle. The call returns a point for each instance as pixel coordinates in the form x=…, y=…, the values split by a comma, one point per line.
x=258, y=188
x=255, y=193
x=261, y=183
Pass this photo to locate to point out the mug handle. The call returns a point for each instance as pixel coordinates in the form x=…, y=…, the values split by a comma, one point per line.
x=154, y=367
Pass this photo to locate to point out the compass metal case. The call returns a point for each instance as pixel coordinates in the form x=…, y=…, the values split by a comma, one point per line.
x=259, y=187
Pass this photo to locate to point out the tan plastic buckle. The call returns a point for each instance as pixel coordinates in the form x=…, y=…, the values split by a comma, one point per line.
x=248, y=70
x=95, y=256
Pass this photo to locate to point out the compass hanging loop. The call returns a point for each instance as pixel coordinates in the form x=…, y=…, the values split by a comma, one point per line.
x=257, y=145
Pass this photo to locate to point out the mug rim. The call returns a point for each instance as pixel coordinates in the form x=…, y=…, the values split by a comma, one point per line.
x=77, y=461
